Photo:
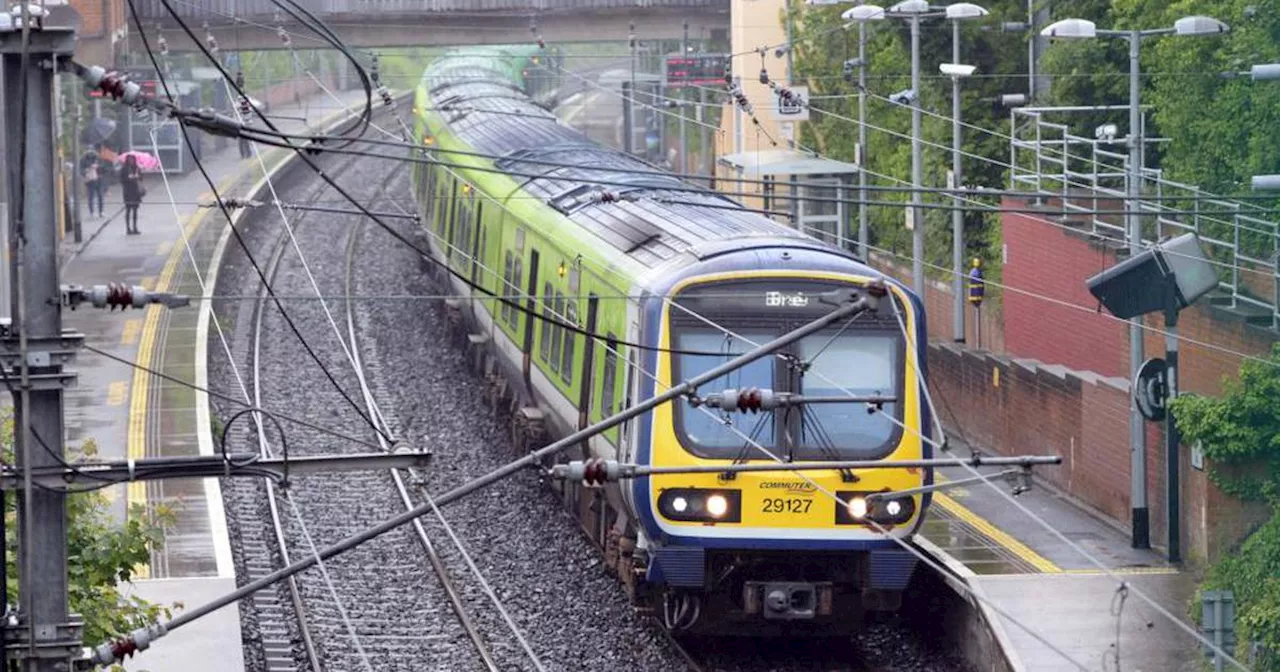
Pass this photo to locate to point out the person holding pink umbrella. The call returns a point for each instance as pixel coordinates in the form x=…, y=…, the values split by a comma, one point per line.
x=131, y=185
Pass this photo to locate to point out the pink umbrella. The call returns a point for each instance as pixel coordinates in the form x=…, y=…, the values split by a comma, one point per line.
x=146, y=162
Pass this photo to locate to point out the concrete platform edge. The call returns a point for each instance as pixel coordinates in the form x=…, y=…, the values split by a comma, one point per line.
x=999, y=655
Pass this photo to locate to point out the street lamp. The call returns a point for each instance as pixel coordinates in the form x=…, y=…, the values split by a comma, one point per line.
x=960, y=11
x=1084, y=29
x=912, y=10
x=861, y=15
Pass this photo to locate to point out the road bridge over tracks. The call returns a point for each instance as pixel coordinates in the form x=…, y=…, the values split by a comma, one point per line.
x=252, y=24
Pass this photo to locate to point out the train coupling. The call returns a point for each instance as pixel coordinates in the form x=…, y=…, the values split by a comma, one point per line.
x=787, y=600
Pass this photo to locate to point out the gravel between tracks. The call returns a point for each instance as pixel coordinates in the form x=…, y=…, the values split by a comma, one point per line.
x=547, y=574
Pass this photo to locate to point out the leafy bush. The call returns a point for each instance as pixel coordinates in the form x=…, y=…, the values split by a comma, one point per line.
x=1253, y=576
x=1240, y=431
x=102, y=553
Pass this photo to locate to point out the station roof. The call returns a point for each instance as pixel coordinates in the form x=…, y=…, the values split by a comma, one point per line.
x=776, y=162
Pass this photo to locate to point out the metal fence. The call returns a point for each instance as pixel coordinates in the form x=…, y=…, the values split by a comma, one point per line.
x=1088, y=175
x=264, y=11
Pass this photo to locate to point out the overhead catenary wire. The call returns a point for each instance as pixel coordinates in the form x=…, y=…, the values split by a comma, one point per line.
x=940, y=444
x=182, y=127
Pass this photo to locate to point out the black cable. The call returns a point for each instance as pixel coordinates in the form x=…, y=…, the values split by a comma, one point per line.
x=320, y=28
x=303, y=154
x=244, y=245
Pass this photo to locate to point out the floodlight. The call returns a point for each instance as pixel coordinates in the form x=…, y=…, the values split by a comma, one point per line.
x=1106, y=132
x=822, y=2
x=1199, y=25
x=910, y=7
x=965, y=10
x=1265, y=182
x=1266, y=71
x=957, y=69
x=1013, y=99
x=864, y=13
x=1170, y=275
x=1071, y=29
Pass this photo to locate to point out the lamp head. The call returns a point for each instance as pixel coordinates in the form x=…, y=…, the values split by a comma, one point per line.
x=1071, y=29
x=910, y=7
x=957, y=69
x=965, y=10
x=1199, y=25
x=864, y=13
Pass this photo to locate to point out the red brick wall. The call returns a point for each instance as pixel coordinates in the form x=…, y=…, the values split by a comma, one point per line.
x=1046, y=266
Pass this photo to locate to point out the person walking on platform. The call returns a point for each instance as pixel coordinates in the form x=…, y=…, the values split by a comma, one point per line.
x=91, y=171
x=131, y=185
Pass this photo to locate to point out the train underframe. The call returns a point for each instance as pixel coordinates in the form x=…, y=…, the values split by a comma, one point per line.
x=723, y=592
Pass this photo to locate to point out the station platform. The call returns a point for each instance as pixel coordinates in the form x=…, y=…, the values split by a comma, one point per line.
x=123, y=411
x=1018, y=567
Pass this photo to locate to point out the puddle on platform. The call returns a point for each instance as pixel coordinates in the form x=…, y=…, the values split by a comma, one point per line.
x=970, y=547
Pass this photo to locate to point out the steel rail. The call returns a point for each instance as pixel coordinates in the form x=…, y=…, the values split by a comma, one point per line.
x=437, y=564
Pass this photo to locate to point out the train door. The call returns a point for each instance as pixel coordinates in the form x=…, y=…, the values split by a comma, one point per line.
x=531, y=310
x=477, y=243
x=587, y=380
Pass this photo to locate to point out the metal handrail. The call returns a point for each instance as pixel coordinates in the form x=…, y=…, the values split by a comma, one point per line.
x=1083, y=173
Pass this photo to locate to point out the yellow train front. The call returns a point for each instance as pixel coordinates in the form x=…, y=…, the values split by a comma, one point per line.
x=777, y=552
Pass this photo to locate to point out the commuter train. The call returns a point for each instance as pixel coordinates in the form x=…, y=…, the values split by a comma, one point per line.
x=672, y=280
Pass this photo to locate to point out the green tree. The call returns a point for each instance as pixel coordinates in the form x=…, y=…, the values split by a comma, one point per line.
x=820, y=53
x=1240, y=434
x=102, y=554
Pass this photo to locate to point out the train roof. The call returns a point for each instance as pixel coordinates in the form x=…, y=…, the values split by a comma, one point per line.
x=643, y=212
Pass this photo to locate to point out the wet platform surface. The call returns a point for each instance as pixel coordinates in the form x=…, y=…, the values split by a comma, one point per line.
x=1052, y=606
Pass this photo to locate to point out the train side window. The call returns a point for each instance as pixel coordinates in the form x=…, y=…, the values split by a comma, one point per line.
x=557, y=333
x=477, y=253
x=442, y=217
x=609, y=377
x=545, y=348
x=570, y=340
x=429, y=191
x=517, y=279
x=508, y=266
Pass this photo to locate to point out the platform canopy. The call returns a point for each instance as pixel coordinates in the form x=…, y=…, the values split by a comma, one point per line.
x=784, y=162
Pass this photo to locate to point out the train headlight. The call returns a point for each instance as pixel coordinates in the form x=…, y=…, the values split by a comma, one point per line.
x=700, y=505
x=717, y=505
x=859, y=508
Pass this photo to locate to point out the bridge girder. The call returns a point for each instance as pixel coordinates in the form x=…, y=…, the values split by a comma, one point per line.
x=459, y=28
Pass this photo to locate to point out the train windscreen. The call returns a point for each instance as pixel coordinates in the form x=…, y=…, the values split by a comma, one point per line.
x=860, y=356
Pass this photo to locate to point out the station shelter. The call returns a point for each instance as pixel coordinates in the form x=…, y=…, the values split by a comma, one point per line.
x=817, y=192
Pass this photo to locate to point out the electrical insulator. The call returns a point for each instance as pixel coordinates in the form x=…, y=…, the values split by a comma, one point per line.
x=542, y=44
x=164, y=45
x=764, y=76
x=284, y=36
x=212, y=41
x=246, y=108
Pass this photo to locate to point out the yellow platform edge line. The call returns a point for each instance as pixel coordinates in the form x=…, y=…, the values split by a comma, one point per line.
x=136, y=439
x=1019, y=549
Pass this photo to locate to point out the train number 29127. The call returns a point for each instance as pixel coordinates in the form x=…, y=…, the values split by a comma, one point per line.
x=786, y=505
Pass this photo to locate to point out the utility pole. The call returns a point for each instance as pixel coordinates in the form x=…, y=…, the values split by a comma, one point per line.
x=957, y=216
x=1137, y=428
x=47, y=635
x=917, y=165
x=684, y=96
x=862, y=140
x=76, y=183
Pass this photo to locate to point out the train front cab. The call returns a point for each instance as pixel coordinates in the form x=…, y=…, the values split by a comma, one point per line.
x=774, y=552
